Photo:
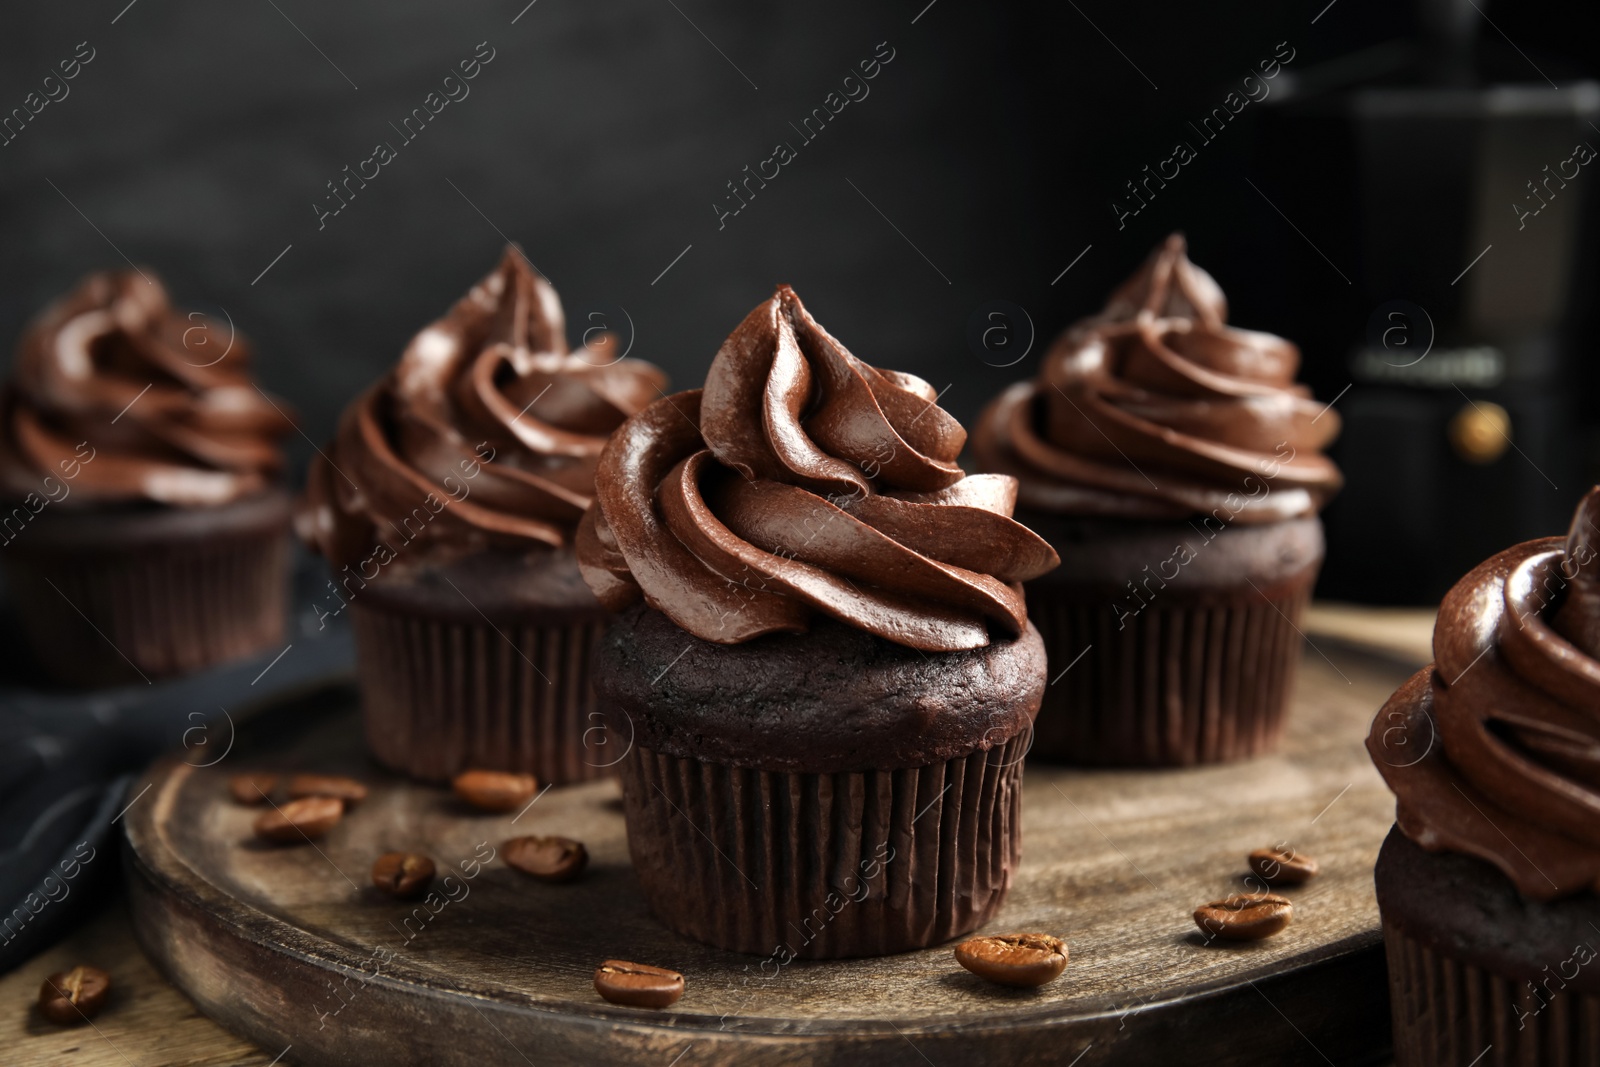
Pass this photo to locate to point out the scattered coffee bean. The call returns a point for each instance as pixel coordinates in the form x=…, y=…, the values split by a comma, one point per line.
x=1014, y=959
x=402, y=874
x=554, y=859
x=337, y=786
x=637, y=985
x=495, y=790
x=308, y=817
x=252, y=788
x=1283, y=866
x=73, y=996
x=1245, y=916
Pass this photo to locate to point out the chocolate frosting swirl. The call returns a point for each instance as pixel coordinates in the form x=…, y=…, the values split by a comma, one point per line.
x=1156, y=409
x=488, y=424
x=1494, y=750
x=164, y=402
x=799, y=481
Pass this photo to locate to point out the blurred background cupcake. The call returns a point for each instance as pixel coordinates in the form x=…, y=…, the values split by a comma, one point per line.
x=823, y=652
x=1176, y=466
x=1487, y=884
x=446, y=506
x=144, y=524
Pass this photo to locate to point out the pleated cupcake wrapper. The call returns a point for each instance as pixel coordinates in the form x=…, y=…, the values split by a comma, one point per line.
x=822, y=866
x=1188, y=680
x=1448, y=1012
x=99, y=618
x=439, y=697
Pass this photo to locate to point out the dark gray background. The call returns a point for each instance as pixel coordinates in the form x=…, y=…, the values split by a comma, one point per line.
x=598, y=138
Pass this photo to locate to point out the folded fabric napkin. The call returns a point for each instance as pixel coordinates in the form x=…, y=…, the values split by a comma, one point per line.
x=67, y=760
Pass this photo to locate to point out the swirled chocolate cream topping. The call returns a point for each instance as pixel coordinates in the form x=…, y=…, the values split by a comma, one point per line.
x=486, y=435
x=800, y=481
x=1157, y=409
x=140, y=402
x=1494, y=750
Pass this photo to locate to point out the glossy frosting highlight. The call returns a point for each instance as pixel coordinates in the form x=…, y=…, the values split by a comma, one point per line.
x=1494, y=750
x=801, y=481
x=488, y=424
x=163, y=402
x=1157, y=409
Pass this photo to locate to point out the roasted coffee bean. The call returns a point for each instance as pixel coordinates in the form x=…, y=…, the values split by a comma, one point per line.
x=1014, y=959
x=495, y=790
x=638, y=985
x=308, y=817
x=1283, y=866
x=402, y=874
x=1245, y=916
x=554, y=859
x=252, y=788
x=73, y=996
x=337, y=786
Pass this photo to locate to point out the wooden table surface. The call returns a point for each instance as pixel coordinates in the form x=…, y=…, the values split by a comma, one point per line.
x=149, y=1021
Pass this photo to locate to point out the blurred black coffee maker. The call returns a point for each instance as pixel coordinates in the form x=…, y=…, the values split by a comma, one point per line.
x=1453, y=174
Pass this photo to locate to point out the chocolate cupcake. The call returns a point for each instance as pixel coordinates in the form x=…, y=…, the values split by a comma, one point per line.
x=1487, y=885
x=824, y=652
x=143, y=522
x=446, y=506
x=1175, y=465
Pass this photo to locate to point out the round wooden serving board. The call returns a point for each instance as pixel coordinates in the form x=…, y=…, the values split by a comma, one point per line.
x=291, y=946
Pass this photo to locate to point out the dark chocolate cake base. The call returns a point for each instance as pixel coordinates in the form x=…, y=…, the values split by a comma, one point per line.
x=1479, y=975
x=820, y=795
x=832, y=699
x=1170, y=644
x=124, y=594
x=484, y=663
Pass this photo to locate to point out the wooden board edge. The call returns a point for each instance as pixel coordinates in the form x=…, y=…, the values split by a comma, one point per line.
x=179, y=928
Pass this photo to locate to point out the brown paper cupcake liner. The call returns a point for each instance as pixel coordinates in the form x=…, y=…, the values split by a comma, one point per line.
x=1193, y=678
x=1447, y=1011
x=441, y=696
x=823, y=866
x=106, y=617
